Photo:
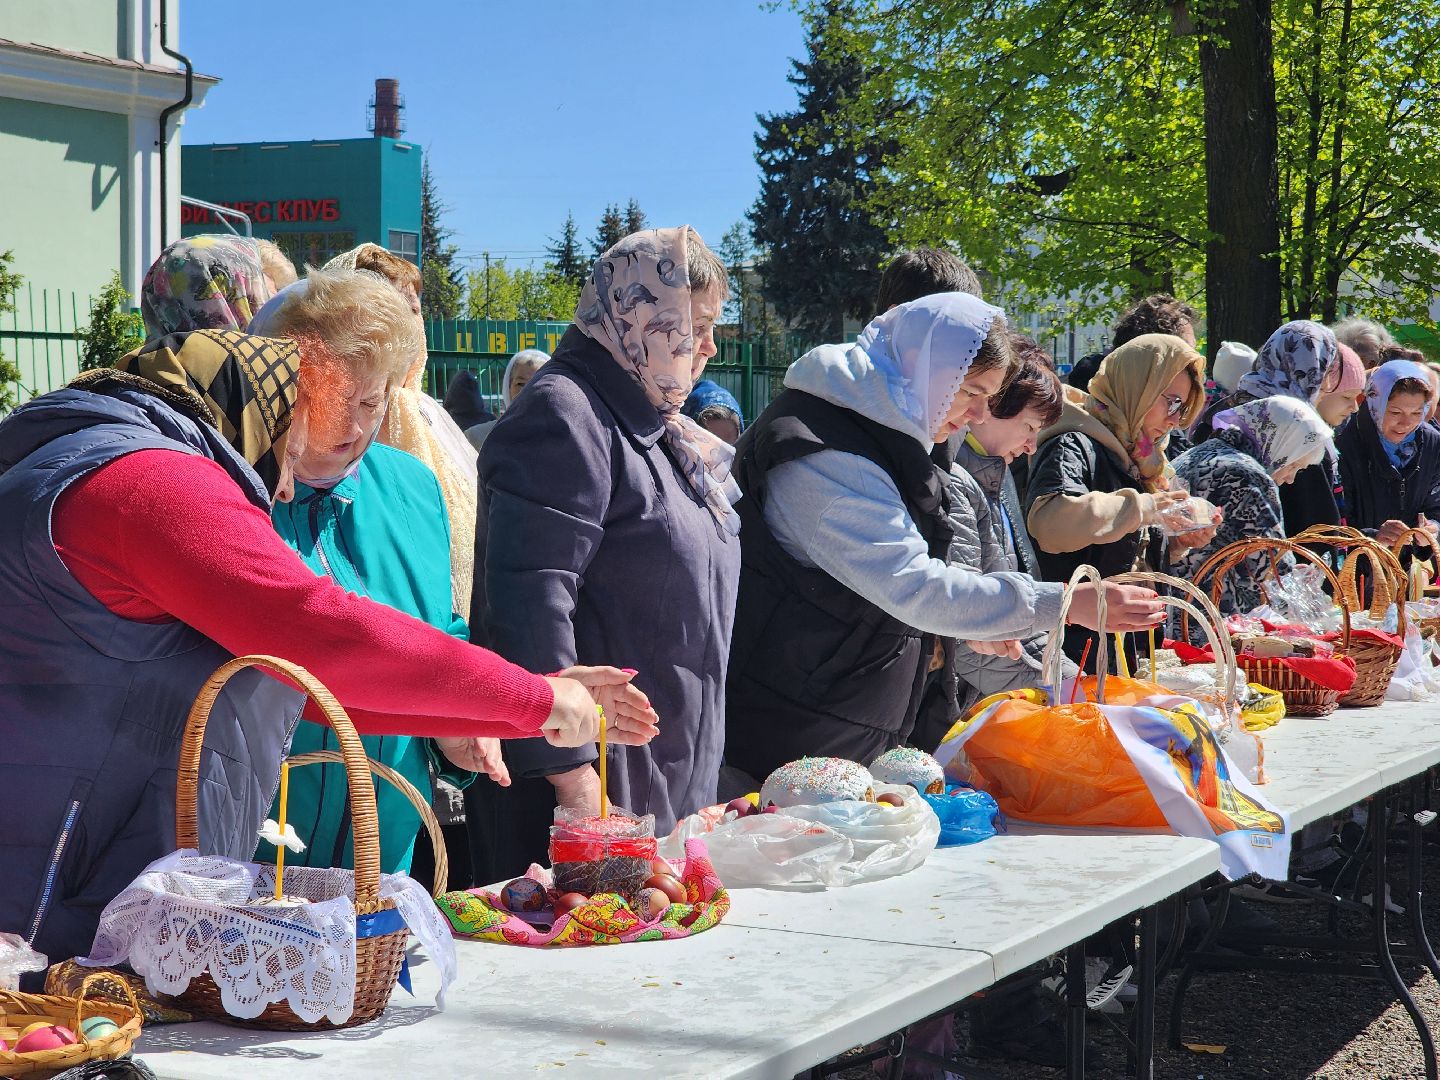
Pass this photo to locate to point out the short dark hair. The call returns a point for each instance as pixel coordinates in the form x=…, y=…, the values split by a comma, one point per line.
x=1411, y=386
x=924, y=272
x=1401, y=352
x=1033, y=383
x=995, y=351
x=1158, y=314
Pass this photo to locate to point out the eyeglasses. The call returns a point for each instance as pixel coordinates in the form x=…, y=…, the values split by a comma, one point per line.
x=1173, y=405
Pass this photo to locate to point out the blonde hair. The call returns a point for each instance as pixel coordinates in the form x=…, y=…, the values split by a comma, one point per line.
x=276, y=266
x=703, y=266
x=360, y=318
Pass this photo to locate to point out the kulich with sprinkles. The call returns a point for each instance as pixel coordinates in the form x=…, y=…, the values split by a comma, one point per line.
x=813, y=780
x=906, y=765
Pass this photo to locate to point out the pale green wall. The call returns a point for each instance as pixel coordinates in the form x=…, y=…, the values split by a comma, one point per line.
x=96, y=26
x=64, y=193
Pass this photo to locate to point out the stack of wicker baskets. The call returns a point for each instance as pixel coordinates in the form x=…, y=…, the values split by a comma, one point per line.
x=1429, y=626
x=377, y=959
x=1303, y=696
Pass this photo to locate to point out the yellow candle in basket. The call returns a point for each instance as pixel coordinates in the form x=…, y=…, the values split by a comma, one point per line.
x=1121, y=665
x=604, y=798
x=280, y=848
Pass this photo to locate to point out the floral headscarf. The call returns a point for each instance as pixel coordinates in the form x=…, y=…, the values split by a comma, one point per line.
x=203, y=283
x=1293, y=362
x=637, y=305
x=1276, y=431
x=1377, y=397
x=1130, y=380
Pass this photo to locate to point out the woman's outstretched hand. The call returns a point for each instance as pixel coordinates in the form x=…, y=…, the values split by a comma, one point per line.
x=629, y=718
x=477, y=756
x=1128, y=607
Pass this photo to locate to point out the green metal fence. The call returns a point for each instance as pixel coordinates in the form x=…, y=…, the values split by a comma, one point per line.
x=38, y=337
x=754, y=371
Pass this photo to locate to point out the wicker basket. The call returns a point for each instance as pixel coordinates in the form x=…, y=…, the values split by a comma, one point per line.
x=1429, y=627
x=1375, y=661
x=18, y=1011
x=1303, y=696
x=1195, y=604
x=377, y=959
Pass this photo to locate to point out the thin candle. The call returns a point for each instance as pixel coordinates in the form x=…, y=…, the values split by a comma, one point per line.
x=604, y=796
x=1152, y=654
x=1122, y=664
x=1084, y=656
x=280, y=847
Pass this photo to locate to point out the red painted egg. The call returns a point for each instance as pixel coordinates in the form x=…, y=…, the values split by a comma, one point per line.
x=667, y=884
x=51, y=1037
x=567, y=902
x=890, y=798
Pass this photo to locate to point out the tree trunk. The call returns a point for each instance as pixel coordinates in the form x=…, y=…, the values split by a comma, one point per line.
x=1242, y=259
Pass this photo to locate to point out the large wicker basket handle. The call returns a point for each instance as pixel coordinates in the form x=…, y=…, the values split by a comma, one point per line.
x=363, y=819
x=1207, y=614
x=1055, y=645
x=417, y=800
x=1426, y=541
x=1387, y=581
x=1231, y=555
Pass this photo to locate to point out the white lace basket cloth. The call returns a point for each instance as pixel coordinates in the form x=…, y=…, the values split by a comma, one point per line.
x=187, y=914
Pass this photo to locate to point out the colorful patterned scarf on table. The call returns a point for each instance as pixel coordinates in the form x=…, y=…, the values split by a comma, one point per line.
x=203, y=283
x=637, y=305
x=245, y=387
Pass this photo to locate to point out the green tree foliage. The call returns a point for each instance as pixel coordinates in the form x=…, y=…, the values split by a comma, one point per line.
x=736, y=250
x=1062, y=147
x=634, y=217
x=818, y=167
x=113, y=329
x=498, y=292
x=441, y=284
x=609, y=232
x=565, y=254
x=9, y=373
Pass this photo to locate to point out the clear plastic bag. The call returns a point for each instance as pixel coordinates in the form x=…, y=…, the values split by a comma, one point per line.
x=834, y=844
x=1299, y=597
x=1190, y=516
x=18, y=958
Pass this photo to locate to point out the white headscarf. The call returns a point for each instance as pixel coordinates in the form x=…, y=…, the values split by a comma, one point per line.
x=1278, y=431
x=524, y=356
x=925, y=349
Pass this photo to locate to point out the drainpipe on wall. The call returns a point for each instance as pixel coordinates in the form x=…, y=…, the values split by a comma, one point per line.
x=169, y=111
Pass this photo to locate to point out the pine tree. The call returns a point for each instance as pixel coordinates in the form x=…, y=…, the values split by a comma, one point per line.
x=113, y=329
x=9, y=373
x=564, y=252
x=440, y=279
x=818, y=167
x=609, y=232
x=634, y=217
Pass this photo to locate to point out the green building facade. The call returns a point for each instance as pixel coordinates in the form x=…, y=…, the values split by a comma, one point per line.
x=314, y=199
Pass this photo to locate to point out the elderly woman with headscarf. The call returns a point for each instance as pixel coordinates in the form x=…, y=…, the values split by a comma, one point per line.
x=518, y=373
x=1099, y=482
x=135, y=504
x=1255, y=450
x=606, y=529
x=372, y=519
x=1389, y=456
x=1301, y=360
x=416, y=423
x=203, y=283
x=845, y=578
x=716, y=410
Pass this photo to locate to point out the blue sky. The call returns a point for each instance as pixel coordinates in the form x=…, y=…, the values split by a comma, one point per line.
x=527, y=109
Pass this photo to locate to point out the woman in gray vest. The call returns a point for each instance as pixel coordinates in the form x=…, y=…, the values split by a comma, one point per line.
x=844, y=578
x=135, y=514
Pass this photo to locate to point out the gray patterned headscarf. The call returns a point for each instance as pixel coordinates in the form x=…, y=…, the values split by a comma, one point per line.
x=637, y=305
x=1294, y=363
x=1276, y=431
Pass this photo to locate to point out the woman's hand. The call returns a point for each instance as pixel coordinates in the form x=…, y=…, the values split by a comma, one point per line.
x=1392, y=530
x=477, y=756
x=1009, y=649
x=577, y=789
x=1162, y=503
x=573, y=720
x=1128, y=607
x=629, y=719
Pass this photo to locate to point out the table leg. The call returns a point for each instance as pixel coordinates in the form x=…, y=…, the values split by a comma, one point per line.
x=1420, y=817
x=1380, y=819
x=1188, y=965
x=1075, y=1012
x=1145, y=998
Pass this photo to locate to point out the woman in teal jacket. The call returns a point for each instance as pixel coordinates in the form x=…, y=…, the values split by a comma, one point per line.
x=371, y=518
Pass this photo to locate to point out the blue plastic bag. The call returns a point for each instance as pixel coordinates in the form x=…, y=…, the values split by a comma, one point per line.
x=966, y=815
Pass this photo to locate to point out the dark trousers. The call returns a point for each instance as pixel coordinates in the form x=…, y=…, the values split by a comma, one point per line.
x=509, y=827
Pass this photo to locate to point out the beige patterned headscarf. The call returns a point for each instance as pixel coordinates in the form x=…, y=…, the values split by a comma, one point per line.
x=637, y=305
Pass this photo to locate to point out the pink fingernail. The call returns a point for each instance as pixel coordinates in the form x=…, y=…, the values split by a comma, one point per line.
x=629, y=671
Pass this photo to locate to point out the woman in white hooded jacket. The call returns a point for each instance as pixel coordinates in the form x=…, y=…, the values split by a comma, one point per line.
x=844, y=578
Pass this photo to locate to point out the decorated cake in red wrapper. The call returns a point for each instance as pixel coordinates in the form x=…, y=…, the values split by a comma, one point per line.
x=590, y=855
